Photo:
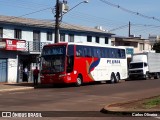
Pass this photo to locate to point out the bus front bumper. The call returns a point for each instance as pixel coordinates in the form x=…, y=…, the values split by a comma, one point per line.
x=55, y=79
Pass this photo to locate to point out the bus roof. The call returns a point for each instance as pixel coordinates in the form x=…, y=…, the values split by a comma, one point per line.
x=84, y=44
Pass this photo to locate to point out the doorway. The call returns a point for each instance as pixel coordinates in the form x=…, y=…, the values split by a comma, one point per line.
x=3, y=70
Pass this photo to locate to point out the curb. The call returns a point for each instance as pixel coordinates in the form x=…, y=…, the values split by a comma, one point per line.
x=126, y=113
x=16, y=89
x=118, y=109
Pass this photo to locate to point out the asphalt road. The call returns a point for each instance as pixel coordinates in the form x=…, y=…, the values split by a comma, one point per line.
x=85, y=101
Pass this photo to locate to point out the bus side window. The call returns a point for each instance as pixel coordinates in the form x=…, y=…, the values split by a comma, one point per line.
x=98, y=53
x=95, y=52
x=79, y=51
x=123, y=54
x=88, y=50
x=85, y=52
x=103, y=53
x=111, y=53
x=119, y=54
x=107, y=52
x=70, y=50
x=70, y=58
x=114, y=53
x=92, y=51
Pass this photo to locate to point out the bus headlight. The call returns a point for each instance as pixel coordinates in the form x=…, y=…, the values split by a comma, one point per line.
x=68, y=78
x=75, y=72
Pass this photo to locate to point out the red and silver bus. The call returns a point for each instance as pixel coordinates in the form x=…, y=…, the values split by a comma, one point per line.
x=82, y=63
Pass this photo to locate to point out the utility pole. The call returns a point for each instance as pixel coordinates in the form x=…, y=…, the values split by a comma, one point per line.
x=57, y=22
x=61, y=9
x=129, y=31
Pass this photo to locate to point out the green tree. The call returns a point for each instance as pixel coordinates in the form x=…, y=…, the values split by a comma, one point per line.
x=156, y=47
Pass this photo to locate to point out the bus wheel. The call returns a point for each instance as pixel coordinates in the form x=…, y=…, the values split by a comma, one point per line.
x=113, y=79
x=117, y=78
x=79, y=81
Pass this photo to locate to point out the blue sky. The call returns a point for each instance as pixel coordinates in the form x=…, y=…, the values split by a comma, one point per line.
x=94, y=13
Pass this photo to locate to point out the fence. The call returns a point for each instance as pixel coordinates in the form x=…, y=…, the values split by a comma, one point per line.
x=34, y=46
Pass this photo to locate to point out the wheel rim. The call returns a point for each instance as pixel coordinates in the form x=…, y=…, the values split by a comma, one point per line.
x=112, y=79
x=117, y=78
x=79, y=81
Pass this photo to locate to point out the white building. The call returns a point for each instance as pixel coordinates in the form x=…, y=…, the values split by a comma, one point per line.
x=153, y=39
x=36, y=33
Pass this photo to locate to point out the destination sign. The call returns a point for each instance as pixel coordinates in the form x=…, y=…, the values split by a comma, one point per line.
x=55, y=50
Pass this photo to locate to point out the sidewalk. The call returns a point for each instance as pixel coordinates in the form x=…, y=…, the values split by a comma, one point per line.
x=4, y=87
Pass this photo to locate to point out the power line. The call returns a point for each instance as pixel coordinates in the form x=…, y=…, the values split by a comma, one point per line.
x=129, y=11
x=145, y=25
x=121, y=27
x=23, y=3
x=145, y=28
x=30, y=13
x=93, y=19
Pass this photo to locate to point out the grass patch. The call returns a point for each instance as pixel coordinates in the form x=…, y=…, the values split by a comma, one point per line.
x=152, y=103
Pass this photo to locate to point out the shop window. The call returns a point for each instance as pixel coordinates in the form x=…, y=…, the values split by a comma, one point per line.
x=97, y=39
x=89, y=38
x=18, y=33
x=49, y=36
x=62, y=37
x=36, y=40
x=106, y=40
x=36, y=35
x=70, y=38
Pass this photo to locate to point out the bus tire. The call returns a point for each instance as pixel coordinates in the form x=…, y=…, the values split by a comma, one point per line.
x=117, y=78
x=113, y=78
x=79, y=81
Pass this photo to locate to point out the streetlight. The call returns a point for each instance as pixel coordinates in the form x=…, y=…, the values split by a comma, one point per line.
x=58, y=17
x=85, y=1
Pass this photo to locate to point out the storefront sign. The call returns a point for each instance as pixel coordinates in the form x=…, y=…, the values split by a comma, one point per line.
x=13, y=44
x=129, y=51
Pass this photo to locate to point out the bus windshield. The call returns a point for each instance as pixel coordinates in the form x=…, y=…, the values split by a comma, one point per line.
x=53, y=59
